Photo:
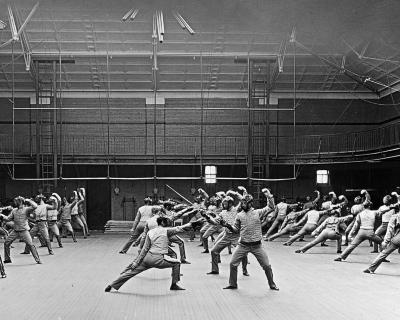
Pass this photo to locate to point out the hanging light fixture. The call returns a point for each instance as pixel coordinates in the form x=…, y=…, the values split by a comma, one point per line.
x=183, y=23
x=127, y=15
x=3, y=25
x=158, y=22
x=13, y=26
x=134, y=14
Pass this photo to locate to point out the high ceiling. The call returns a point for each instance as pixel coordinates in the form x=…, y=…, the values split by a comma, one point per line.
x=341, y=46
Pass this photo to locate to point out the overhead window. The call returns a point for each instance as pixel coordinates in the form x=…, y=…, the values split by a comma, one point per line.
x=322, y=176
x=211, y=174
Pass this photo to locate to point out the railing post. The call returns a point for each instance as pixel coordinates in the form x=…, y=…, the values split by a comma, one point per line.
x=354, y=143
x=319, y=146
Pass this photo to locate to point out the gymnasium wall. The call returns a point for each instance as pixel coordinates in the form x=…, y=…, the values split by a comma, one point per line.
x=131, y=125
x=380, y=178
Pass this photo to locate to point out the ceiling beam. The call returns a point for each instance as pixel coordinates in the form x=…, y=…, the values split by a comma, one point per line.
x=393, y=88
x=177, y=54
x=281, y=94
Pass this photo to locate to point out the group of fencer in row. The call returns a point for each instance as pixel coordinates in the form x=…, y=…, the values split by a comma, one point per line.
x=232, y=219
x=42, y=217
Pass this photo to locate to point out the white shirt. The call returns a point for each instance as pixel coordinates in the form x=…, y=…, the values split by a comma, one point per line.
x=282, y=209
x=159, y=240
x=145, y=213
x=367, y=219
x=356, y=209
x=326, y=205
x=387, y=215
x=313, y=216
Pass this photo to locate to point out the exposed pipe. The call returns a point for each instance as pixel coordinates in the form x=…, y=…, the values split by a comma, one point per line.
x=362, y=80
x=178, y=19
x=189, y=29
x=169, y=108
x=54, y=133
x=162, y=22
x=134, y=14
x=147, y=178
x=28, y=18
x=294, y=101
x=155, y=98
x=108, y=117
x=202, y=115
x=159, y=27
x=126, y=16
x=13, y=26
x=13, y=110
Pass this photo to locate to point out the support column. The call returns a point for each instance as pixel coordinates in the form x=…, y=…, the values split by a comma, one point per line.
x=37, y=129
x=267, y=114
x=250, y=119
x=54, y=138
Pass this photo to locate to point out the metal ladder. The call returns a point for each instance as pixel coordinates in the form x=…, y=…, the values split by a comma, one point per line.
x=47, y=136
x=47, y=95
x=260, y=131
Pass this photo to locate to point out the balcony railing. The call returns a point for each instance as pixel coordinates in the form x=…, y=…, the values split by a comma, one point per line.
x=375, y=140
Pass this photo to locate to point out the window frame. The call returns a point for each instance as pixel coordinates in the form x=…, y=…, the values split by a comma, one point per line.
x=210, y=174
x=322, y=175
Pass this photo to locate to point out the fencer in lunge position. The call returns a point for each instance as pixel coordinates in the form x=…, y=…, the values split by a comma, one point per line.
x=329, y=229
x=214, y=209
x=19, y=215
x=289, y=224
x=356, y=208
x=228, y=215
x=155, y=254
x=281, y=210
x=171, y=216
x=75, y=218
x=390, y=243
x=309, y=204
x=81, y=206
x=2, y=269
x=52, y=215
x=65, y=216
x=381, y=230
x=41, y=227
x=248, y=225
x=309, y=222
x=143, y=214
x=199, y=203
x=364, y=224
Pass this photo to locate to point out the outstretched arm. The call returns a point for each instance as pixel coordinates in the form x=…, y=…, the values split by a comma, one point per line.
x=10, y=217
x=5, y=208
x=343, y=200
x=205, y=195
x=234, y=194
x=366, y=194
x=179, y=229
x=270, y=207
x=301, y=213
x=318, y=197
x=180, y=213
x=52, y=206
x=32, y=204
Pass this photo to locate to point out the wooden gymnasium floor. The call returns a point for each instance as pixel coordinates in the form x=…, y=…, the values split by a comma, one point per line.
x=70, y=285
